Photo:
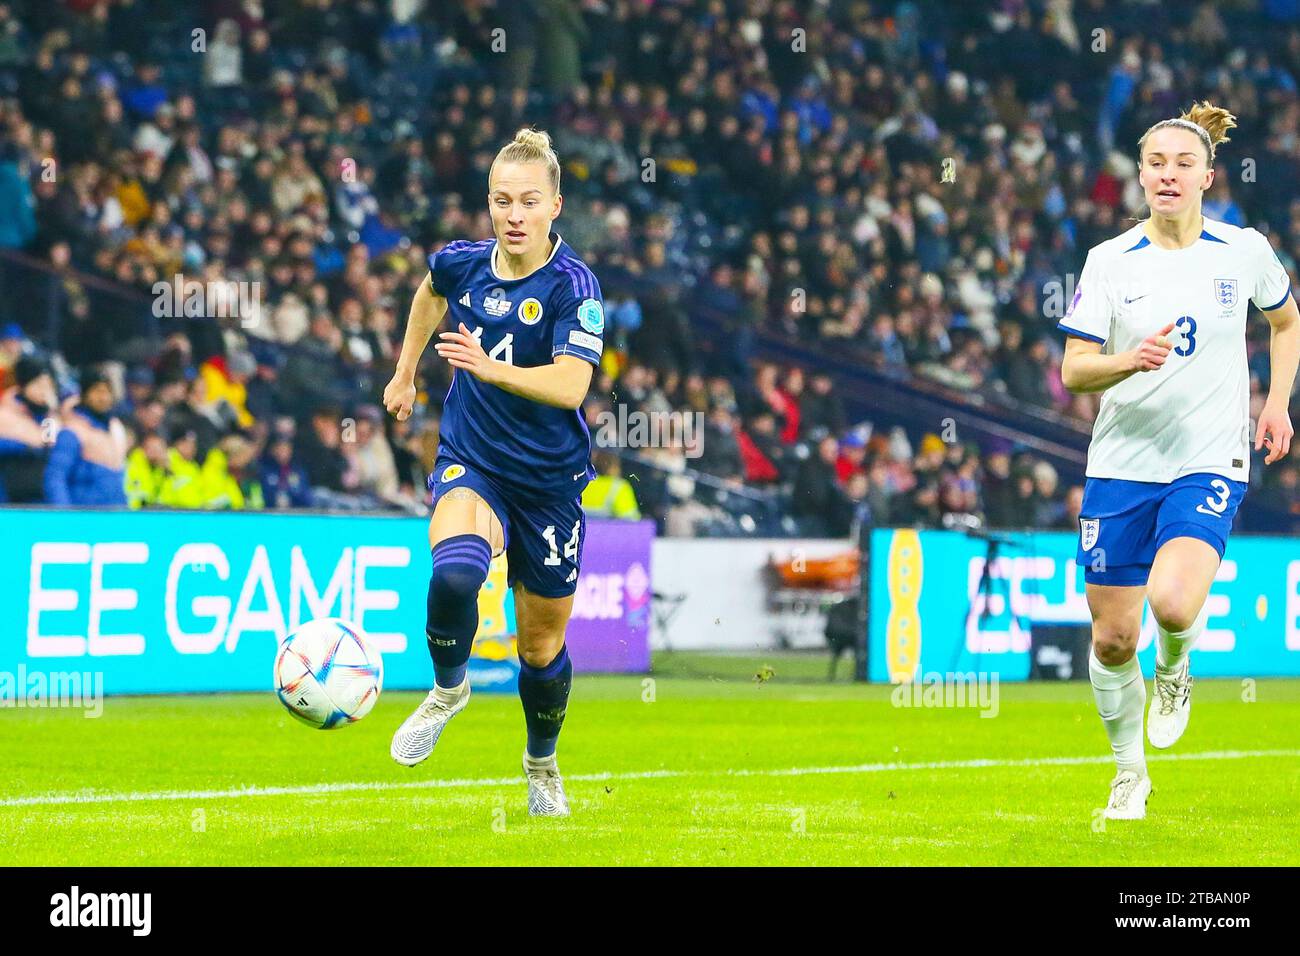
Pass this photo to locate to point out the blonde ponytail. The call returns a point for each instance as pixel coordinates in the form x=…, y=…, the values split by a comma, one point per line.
x=532, y=146
x=1211, y=123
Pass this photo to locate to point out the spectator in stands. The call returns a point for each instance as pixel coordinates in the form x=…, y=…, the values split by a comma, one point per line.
x=959, y=492
x=28, y=422
x=404, y=442
x=920, y=508
x=1024, y=499
x=13, y=345
x=857, y=491
x=722, y=456
x=778, y=401
x=609, y=494
x=146, y=470
x=182, y=485
x=198, y=415
x=284, y=482
x=373, y=458
x=228, y=481
x=149, y=416
x=822, y=409
x=320, y=451
x=561, y=35
x=17, y=201
x=817, y=497
x=87, y=465
x=139, y=390
x=852, y=457
x=225, y=387
x=1049, y=510
x=760, y=450
x=1024, y=374
x=999, y=490
x=877, y=496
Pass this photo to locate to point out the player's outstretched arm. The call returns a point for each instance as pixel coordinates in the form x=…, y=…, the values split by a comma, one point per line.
x=563, y=383
x=427, y=310
x=1085, y=369
x=1274, y=425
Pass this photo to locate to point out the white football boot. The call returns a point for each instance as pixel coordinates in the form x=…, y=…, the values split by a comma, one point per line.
x=1171, y=706
x=545, y=788
x=1128, y=796
x=414, y=740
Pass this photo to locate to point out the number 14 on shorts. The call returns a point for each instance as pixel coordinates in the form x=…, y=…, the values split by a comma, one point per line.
x=570, y=549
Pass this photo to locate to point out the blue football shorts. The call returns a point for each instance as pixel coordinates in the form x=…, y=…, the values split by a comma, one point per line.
x=1124, y=523
x=543, y=541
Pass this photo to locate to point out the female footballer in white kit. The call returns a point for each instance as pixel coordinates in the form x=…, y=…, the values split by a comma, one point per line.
x=1158, y=324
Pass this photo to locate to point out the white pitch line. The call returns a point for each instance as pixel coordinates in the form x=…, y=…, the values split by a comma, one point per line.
x=89, y=797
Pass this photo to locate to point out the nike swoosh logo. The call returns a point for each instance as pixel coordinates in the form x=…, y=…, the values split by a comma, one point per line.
x=1136, y=297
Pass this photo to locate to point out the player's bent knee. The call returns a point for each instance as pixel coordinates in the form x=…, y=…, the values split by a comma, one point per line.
x=456, y=583
x=540, y=653
x=1172, y=611
x=1113, y=644
x=458, y=570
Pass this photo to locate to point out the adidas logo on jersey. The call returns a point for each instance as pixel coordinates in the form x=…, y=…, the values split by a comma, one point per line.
x=464, y=300
x=573, y=576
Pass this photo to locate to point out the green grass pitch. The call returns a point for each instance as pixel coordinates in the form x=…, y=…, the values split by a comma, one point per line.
x=716, y=769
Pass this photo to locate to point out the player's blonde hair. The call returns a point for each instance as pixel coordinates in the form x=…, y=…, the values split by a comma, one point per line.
x=532, y=146
x=1211, y=123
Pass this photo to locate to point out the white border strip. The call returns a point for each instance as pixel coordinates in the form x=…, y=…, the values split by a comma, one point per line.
x=91, y=797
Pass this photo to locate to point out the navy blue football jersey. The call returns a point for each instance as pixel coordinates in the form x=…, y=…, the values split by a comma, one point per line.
x=534, y=450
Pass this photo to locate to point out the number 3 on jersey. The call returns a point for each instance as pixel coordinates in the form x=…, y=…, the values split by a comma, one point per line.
x=1187, y=325
x=570, y=549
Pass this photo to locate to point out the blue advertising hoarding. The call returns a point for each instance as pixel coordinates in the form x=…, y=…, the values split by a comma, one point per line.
x=933, y=611
x=190, y=601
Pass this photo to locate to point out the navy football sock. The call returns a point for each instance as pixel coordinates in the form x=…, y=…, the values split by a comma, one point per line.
x=460, y=566
x=544, y=692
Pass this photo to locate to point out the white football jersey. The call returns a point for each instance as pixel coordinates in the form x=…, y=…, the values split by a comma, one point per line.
x=1193, y=413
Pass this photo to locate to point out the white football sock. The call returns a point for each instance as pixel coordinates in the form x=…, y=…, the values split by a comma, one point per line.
x=1121, y=697
x=1172, y=647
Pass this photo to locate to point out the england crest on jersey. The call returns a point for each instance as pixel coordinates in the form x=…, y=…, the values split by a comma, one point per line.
x=1225, y=290
x=1088, y=530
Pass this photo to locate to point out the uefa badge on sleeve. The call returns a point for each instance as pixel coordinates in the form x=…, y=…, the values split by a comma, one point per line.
x=1088, y=531
x=591, y=316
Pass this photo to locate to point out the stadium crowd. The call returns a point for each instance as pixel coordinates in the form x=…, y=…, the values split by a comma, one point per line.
x=909, y=185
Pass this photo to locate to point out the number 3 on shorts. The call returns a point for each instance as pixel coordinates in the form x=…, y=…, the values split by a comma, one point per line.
x=570, y=549
x=1216, y=508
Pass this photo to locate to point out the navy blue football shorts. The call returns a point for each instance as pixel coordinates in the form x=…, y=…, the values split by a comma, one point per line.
x=1124, y=523
x=543, y=541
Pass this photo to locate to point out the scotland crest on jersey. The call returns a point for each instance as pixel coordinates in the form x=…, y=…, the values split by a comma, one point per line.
x=1225, y=290
x=1088, y=529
